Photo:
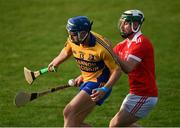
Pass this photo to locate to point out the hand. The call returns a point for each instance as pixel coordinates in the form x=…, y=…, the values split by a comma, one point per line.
x=79, y=80
x=97, y=95
x=52, y=68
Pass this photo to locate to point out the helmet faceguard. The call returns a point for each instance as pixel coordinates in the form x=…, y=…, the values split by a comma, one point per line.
x=80, y=26
x=132, y=16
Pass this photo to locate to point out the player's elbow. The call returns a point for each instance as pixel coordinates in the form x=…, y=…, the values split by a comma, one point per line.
x=118, y=71
x=127, y=70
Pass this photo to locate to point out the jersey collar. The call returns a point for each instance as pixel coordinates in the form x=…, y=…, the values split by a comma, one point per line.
x=136, y=36
x=134, y=39
x=92, y=41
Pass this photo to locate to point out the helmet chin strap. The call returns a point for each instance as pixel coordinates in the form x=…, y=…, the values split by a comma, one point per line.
x=83, y=39
x=132, y=27
x=80, y=41
x=133, y=31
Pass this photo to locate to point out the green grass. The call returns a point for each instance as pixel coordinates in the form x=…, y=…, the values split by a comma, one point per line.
x=32, y=32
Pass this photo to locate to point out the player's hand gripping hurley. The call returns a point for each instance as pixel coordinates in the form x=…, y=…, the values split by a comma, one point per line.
x=23, y=98
x=30, y=76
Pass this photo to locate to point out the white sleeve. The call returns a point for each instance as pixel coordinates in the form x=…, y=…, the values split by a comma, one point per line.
x=134, y=57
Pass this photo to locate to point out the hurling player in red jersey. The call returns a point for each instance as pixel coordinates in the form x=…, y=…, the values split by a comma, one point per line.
x=136, y=58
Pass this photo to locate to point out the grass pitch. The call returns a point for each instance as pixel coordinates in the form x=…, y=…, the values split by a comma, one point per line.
x=32, y=32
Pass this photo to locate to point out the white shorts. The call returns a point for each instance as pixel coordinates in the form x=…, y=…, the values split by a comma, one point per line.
x=138, y=106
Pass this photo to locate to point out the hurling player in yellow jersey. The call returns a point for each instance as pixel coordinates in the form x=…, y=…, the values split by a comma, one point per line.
x=94, y=55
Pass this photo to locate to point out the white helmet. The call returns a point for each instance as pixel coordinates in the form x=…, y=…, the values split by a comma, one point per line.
x=133, y=16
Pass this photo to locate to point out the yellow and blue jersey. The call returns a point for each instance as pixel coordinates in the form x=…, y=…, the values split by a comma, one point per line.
x=96, y=61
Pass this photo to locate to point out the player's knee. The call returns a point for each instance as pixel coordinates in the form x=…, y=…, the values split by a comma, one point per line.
x=113, y=123
x=68, y=112
x=122, y=122
x=116, y=121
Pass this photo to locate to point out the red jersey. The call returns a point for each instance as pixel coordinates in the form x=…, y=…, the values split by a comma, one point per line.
x=142, y=78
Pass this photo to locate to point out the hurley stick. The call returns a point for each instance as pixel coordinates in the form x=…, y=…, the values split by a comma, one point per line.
x=23, y=98
x=30, y=76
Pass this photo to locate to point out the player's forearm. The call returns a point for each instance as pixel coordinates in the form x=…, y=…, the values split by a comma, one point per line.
x=100, y=92
x=125, y=66
x=60, y=58
x=113, y=78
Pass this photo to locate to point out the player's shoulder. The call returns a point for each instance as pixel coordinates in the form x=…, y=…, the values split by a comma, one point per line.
x=144, y=40
x=68, y=41
x=102, y=40
x=122, y=43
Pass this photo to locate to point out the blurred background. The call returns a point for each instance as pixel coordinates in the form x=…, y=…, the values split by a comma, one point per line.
x=32, y=32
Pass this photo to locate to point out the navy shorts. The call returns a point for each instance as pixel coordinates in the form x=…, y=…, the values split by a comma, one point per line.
x=89, y=86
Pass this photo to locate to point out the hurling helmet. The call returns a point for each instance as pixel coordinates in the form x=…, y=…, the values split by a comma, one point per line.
x=132, y=16
x=79, y=23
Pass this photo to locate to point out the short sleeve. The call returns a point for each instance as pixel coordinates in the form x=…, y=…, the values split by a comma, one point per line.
x=139, y=51
x=68, y=48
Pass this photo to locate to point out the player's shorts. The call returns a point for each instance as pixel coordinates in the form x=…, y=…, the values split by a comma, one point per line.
x=138, y=106
x=89, y=86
